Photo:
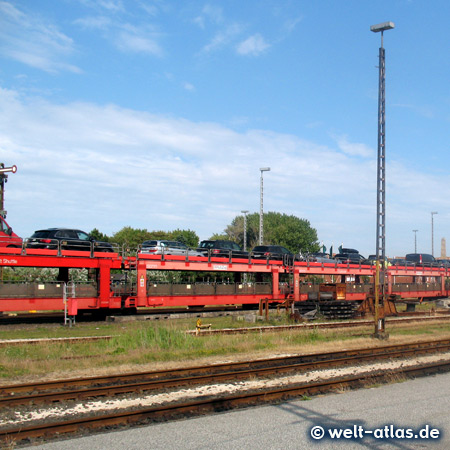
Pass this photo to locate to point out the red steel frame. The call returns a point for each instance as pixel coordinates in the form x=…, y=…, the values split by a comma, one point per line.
x=107, y=299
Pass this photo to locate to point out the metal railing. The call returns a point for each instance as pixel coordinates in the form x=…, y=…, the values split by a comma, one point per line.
x=192, y=289
x=60, y=247
x=45, y=289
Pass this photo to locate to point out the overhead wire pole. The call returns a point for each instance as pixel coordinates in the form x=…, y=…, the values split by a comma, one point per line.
x=380, y=279
x=261, y=210
x=432, y=232
x=415, y=240
x=245, y=211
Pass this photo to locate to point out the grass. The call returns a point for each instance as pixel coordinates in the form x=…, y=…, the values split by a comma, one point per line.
x=153, y=345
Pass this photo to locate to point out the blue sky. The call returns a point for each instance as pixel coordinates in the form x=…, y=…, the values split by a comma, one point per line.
x=159, y=114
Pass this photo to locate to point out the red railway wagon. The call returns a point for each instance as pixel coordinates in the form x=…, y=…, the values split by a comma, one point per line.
x=117, y=282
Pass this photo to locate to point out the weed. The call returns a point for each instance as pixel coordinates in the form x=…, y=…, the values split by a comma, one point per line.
x=146, y=343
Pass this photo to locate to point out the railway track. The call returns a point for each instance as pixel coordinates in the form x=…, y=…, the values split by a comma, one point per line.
x=321, y=325
x=243, y=330
x=82, y=388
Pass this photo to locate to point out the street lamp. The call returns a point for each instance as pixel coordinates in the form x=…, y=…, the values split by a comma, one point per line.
x=245, y=229
x=3, y=180
x=432, y=232
x=380, y=280
x=415, y=240
x=261, y=213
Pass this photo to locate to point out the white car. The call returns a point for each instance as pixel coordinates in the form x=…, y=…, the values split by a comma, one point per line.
x=168, y=248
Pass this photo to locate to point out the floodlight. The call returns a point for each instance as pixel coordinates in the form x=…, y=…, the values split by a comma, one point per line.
x=382, y=27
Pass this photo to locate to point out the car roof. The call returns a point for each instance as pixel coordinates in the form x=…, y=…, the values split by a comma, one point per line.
x=418, y=254
x=59, y=228
x=216, y=240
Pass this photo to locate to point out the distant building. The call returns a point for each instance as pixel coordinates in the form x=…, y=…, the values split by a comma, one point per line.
x=443, y=249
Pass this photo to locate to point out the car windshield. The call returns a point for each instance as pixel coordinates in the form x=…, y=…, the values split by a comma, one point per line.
x=260, y=248
x=174, y=244
x=83, y=236
x=150, y=243
x=41, y=234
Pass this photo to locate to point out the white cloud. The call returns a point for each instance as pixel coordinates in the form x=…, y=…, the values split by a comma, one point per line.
x=89, y=165
x=28, y=39
x=291, y=24
x=188, y=86
x=94, y=22
x=138, y=40
x=124, y=36
x=109, y=6
x=223, y=38
x=254, y=45
x=210, y=13
x=353, y=148
x=112, y=5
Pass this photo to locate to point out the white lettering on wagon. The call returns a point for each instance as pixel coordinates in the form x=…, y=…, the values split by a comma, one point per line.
x=9, y=261
x=220, y=267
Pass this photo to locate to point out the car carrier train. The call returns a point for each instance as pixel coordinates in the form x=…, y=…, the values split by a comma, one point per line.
x=123, y=281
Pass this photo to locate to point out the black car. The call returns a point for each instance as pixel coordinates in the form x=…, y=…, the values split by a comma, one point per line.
x=351, y=258
x=443, y=262
x=66, y=239
x=275, y=252
x=398, y=262
x=422, y=259
x=221, y=248
x=372, y=259
x=347, y=250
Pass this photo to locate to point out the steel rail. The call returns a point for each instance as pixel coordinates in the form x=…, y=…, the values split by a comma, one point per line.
x=18, y=434
x=70, y=383
x=216, y=373
x=324, y=325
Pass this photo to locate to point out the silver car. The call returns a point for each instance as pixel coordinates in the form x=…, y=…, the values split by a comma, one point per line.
x=164, y=247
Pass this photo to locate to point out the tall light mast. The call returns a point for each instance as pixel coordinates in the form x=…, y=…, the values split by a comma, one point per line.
x=380, y=279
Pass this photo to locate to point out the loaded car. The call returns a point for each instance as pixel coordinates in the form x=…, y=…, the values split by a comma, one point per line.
x=398, y=262
x=372, y=259
x=275, y=252
x=165, y=247
x=350, y=256
x=421, y=259
x=443, y=262
x=7, y=236
x=320, y=257
x=66, y=239
x=221, y=248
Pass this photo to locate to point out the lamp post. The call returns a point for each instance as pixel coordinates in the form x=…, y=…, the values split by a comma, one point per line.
x=245, y=229
x=261, y=213
x=3, y=180
x=432, y=232
x=380, y=279
x=415, y=240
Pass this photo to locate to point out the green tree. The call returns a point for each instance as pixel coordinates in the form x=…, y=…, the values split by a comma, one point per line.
x=279, y=229
x=188, y=237
x=133, y=237
x=220, y=237
x=96, y=234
